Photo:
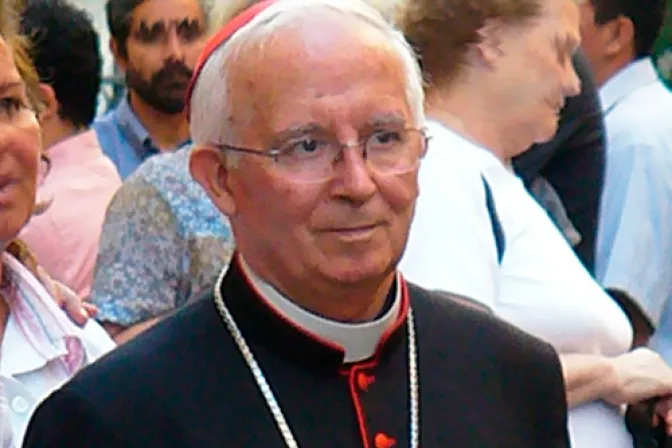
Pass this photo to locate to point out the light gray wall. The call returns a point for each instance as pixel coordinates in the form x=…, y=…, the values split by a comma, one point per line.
x=97, y=10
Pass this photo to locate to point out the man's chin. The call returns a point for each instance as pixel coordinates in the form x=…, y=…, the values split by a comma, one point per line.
x=166, y=108
x=359, y=269
x=168, y=102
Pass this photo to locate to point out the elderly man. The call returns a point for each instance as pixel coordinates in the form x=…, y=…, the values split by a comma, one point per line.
x=311, y=337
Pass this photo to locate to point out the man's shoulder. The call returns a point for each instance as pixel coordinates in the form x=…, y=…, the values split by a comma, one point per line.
x=140, y=369
x=641, y=123
x=452, y=323
x=649, y=107
x=106, y=119
x=467, y=353
x=106, y=127
x=112, y=140
x=134, y=395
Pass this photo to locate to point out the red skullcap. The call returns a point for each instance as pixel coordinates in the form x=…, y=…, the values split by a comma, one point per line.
x=216, y=41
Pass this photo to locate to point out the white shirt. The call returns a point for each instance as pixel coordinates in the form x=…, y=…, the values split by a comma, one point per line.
x=634, y=241
x=541, y=286
x=40, y=351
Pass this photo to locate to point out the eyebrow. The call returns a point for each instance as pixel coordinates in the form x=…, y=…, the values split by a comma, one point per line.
x=10, y=85
x=187, y=25
x=144, y=29
x=387, y=119
x=161, y=26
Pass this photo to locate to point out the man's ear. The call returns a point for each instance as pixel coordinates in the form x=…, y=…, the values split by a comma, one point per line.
x=49, y=103
x=489, y=46
x=620, y=35
x=208, y=167
x=118, y=55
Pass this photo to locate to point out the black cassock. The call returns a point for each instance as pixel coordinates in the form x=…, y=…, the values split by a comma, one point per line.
x=184, y=383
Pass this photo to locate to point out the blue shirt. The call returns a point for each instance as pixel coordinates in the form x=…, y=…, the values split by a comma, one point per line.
x=124, y=139
x=163, y=243
x=634, y=245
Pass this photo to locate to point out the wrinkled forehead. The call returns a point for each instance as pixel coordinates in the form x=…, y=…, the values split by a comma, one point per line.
x=329, y=72
x=311, y=41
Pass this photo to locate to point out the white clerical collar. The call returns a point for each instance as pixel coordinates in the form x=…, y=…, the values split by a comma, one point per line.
x=358, y=340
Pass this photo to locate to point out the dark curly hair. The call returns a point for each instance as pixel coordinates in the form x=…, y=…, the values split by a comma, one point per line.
x=65, y=49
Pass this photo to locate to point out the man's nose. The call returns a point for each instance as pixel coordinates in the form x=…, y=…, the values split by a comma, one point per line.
x=174, y=47
x=354, y=173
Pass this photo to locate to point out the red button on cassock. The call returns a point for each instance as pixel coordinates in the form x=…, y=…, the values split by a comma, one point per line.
x=364, y=381
x=384, y=441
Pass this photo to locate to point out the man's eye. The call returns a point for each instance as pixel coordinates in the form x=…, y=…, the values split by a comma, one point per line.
x=383, y=138
x=307, y=146
x=148, y=36
x=189, y=31
x=191, y=35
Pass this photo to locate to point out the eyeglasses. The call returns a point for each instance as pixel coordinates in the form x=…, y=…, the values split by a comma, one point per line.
x=312, y=159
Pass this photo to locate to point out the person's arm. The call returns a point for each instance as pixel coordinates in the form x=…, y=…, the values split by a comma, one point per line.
x=140, y=259
x=587, y=377
x=634, y=246
x=626, y=379
x=66, y=420
x=122, y=334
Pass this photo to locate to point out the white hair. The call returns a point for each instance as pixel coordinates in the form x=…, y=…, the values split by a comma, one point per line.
x=211, y=102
